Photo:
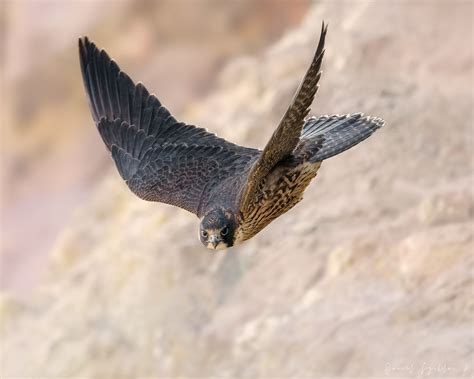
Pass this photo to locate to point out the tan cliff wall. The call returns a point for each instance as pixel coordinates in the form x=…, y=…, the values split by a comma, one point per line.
x=371, y=275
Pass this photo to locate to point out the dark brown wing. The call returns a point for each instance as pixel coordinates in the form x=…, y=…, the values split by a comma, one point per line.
x=160, y=158
x=287, y=135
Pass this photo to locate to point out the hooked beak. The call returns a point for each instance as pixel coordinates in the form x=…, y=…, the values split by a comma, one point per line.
x=214, y=241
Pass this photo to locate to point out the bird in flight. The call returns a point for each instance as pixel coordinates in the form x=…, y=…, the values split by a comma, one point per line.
x=235, y=191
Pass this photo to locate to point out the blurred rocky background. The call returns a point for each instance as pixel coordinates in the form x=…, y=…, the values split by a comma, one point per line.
x=371, y=275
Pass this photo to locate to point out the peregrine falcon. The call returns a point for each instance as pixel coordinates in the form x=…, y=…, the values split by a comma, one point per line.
x=235, y=191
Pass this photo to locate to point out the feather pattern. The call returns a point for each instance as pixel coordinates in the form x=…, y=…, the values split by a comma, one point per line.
x=338, y=133
x=160, y=158
x=287, y=135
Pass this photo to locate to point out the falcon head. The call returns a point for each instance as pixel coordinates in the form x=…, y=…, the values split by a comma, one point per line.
x=217, y=229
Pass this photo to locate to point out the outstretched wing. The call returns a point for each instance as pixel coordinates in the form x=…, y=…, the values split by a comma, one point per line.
x=160, y=158
x=287, y=135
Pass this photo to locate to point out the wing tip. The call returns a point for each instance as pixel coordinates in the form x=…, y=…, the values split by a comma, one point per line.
x=324, y=30
x=85, y=44
x=324, y=27
x=320, y=49
x=88, y=50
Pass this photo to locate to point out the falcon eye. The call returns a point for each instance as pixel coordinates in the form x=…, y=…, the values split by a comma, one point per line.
x=224, y=231
x=204, y=233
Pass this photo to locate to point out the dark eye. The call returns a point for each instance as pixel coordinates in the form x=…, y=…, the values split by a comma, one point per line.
x=224, y=231
x=204, y=233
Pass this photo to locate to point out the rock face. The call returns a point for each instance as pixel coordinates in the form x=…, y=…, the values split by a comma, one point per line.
x=371, y=275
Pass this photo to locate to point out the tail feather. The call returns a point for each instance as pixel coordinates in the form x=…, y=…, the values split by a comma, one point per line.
x=338, y=133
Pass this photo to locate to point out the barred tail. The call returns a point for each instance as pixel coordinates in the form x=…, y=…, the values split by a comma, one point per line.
x=338, y=133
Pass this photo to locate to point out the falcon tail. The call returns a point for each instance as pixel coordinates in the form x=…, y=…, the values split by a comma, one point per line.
x=331, y=135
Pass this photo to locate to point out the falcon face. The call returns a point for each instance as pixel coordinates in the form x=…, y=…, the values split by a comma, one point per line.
x=217, y=229
x=167, y=161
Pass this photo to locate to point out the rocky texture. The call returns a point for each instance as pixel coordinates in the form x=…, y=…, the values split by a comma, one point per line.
x=370, y=276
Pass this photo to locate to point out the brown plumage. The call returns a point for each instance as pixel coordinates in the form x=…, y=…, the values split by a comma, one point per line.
x=287, y=135
x=236, y=191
